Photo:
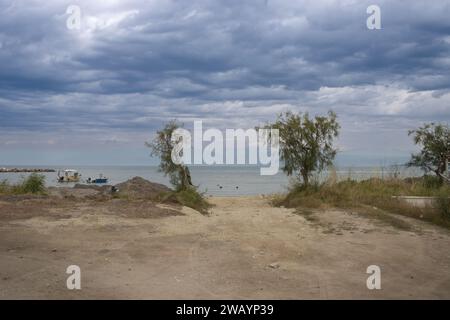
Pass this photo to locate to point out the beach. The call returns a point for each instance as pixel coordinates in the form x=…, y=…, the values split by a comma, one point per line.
x=244, y=249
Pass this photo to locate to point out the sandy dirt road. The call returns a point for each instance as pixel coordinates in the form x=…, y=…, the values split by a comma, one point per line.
x=245, y=249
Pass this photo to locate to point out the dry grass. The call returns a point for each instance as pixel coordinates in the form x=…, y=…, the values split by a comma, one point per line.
x=373, y=193
x=384, y=217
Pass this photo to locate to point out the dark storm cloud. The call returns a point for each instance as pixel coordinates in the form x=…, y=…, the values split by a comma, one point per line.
x=136, y=64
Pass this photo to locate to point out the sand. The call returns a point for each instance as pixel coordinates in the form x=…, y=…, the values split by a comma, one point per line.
x=245, y=249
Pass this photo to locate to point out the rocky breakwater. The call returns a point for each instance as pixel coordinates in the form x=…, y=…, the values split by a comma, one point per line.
x=15, y=170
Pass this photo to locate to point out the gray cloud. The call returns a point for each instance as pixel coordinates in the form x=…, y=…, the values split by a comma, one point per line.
x=136, y=64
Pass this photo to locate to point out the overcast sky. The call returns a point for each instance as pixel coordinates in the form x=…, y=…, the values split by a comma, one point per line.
x=95, y=95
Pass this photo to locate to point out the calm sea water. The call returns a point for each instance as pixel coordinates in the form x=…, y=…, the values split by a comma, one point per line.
x=214, y=180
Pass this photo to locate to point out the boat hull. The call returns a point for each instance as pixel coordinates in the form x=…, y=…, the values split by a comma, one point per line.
x=99, y=181
x=68, y=179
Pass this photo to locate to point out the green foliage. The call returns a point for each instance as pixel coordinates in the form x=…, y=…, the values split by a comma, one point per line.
x=191, y=198
x=431, y=182
x=162, y=147
x=443, y=204
x=306, y=145
x=34, y=183
x=435, y=142
x=4, y=186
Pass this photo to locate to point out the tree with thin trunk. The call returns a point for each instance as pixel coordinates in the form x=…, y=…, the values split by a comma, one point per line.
x=306, y=144
x=162, y=146
x=434, y=155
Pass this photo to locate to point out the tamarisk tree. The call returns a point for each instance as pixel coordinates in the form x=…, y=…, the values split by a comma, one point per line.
x=434, y=155
x=306, y=144
x=162, y=146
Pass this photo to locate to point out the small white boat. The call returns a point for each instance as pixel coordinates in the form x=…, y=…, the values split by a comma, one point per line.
x=68, y=175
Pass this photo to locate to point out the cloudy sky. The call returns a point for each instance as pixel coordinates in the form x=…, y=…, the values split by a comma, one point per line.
x=94, y=95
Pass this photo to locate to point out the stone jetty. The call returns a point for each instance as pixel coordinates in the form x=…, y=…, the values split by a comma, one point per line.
x=15, y=170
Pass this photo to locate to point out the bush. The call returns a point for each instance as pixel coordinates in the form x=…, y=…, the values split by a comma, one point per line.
x=443, y=204
x=432, y=182
x=191, y=198
x=34, y=183
x=4, y=186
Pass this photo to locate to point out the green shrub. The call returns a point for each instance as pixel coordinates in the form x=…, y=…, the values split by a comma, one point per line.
x=432, y=182
x=191, y=198
x=34, y=183
x=4, y=186
x=443, y=204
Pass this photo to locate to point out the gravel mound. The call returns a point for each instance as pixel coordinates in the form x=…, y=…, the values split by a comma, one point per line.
x=139, y=188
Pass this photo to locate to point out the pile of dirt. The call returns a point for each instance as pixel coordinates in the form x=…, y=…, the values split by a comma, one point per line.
x=139, y=188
